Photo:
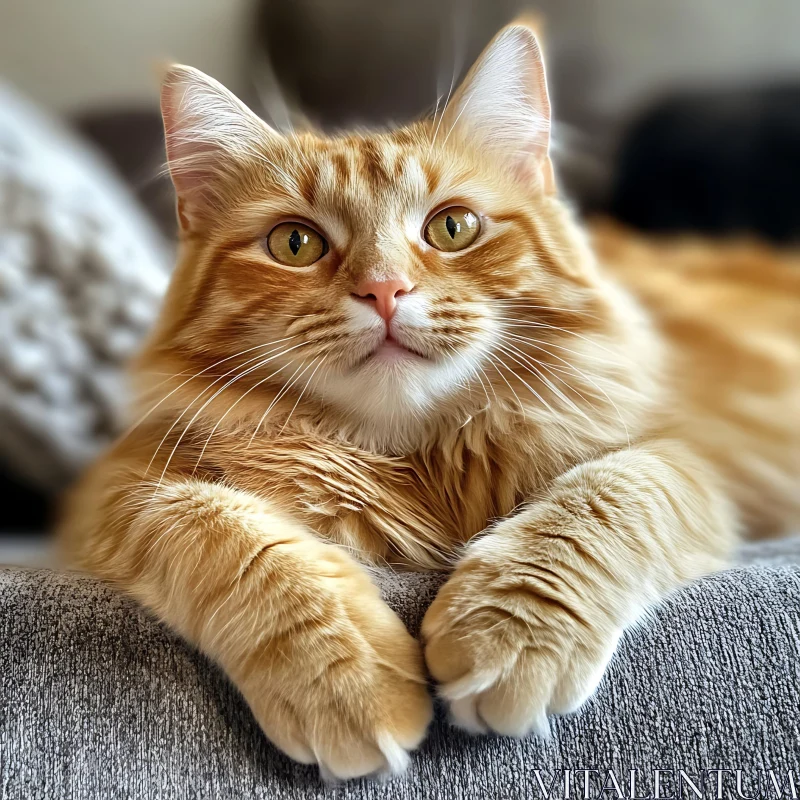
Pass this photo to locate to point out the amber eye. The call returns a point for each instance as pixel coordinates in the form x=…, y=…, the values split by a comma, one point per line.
x=453, y=229
x=295, y=244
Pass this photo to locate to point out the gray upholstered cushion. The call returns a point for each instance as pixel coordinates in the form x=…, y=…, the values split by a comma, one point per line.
x=99, y=701
x=82, y=274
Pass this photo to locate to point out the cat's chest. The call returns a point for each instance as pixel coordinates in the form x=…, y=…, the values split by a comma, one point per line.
x=416, y=509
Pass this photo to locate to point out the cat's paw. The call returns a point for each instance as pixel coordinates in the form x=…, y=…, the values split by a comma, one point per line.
x=508, y=648
x=347, y=692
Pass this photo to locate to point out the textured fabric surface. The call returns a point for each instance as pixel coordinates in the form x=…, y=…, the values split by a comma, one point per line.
x=99, y=701
x=82, y=273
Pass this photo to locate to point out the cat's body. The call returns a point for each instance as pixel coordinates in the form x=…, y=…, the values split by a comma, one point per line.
x=725, y=328
x=611, y=429
x=729, y=315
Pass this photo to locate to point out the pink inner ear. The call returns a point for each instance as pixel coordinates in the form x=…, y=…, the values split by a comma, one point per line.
x=183, y=217
x=195, y=111
x=185, y=154
x=503, y=104
x=206, y=129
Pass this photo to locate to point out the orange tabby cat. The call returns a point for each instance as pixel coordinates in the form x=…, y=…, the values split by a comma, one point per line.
x=398, y=347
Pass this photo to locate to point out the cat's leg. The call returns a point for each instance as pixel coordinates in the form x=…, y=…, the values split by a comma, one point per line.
x=330, y=672
x=531, y=616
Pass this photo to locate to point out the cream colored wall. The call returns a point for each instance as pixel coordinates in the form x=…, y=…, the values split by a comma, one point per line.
x=72, y=54
x=632, y=49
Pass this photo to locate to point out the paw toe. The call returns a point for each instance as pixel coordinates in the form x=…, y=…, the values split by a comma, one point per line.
x=349, y=759
x=464, y=714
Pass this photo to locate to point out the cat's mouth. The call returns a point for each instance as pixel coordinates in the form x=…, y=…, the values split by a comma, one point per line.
x=390, y=350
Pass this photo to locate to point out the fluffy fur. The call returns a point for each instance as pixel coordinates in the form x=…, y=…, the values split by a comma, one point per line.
x=572, y=440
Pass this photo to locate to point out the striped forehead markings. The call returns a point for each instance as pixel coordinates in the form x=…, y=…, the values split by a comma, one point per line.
x=375, y=164
x=369, y=176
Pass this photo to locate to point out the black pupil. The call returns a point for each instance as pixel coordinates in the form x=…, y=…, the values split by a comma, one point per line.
x=452, y=227
x=295, y=242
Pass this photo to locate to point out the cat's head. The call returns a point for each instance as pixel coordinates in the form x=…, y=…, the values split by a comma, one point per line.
x=383, y=273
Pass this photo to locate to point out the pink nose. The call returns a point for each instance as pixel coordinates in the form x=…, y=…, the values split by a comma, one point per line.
x=383, y=294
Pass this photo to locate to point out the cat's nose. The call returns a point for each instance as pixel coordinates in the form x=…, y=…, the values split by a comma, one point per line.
x=383, y=294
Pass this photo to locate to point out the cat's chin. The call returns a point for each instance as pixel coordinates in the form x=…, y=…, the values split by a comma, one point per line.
x=392, y=395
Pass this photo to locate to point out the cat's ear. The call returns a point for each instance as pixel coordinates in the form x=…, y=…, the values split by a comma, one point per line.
x=502, y=104
x=207, y=130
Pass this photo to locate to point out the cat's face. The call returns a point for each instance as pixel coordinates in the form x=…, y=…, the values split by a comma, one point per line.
x=383, y=273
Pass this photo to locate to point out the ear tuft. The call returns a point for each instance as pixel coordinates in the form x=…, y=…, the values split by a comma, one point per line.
x=502, y=103
x=206, y=129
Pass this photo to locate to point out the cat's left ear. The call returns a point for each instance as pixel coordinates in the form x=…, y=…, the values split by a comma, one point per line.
x=503, y=106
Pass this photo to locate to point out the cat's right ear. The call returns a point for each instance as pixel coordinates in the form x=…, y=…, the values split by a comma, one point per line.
x=207, y=130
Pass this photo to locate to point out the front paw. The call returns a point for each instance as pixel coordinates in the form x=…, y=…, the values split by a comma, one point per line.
x=512, y=642
x=343, y=686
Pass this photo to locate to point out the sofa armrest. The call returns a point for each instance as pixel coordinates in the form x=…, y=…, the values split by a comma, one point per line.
x=97, y=700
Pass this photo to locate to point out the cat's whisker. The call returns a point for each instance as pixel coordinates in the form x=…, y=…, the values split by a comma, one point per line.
x=439, y=98
x=543, y=346
x=458, y=37
x=613, y=404
x=300, y=396
x=455, y=121
x=571, y=387
x=547, y=326
x=491, y=385
x=205, y=405
x=483, y=386
x=284, y=389
x=558, y=370
x=534, y=369
x=197, y=375
x=495, y=358
x=203, y=392
x=209, y=388
x=230, y=408
x=535, y=366
x=444, y=110
x=553, y=370
x=516, y=305
x=582, y=375
x=601, y=360
x=533, y=391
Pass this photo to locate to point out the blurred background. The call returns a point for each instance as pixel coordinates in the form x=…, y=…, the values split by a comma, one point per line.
x=677, y=116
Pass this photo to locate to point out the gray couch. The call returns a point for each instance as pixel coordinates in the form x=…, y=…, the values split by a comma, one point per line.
x=99, y=701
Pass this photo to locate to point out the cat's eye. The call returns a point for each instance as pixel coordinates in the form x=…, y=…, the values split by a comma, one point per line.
x=295, y=244
x=452, y=229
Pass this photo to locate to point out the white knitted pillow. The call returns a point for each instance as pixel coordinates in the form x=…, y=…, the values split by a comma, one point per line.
x=82, y=272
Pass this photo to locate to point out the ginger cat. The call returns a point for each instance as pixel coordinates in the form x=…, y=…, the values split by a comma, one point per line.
x=399, y=348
